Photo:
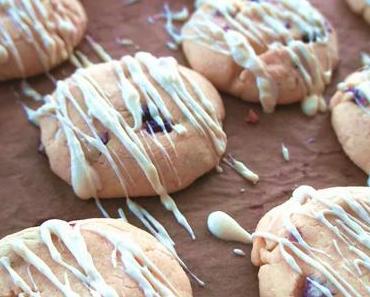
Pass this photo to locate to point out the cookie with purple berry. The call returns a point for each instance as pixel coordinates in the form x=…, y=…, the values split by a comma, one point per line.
x=351, y=117
x=315, y=245
x=361, y=7
x=140, y=126
x=272, y=52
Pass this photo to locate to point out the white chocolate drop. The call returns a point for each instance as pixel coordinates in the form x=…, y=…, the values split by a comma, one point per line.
x=285, y=152
x=242, y=169
x=224, y=227
x=239, y=252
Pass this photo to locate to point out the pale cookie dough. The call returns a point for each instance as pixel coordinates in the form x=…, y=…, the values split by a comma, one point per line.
x=361, y=7
x=37, y=35
x=316, y=244
x=95, y=257
x=351, y=117
x=140, y=126
x=275, y=52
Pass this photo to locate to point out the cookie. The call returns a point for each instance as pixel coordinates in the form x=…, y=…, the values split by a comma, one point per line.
x=350, y=117
x=95, y=257
x=361, y=7
x=275, y=52
x=37, y=35
x=140, y=126
x=315, y=244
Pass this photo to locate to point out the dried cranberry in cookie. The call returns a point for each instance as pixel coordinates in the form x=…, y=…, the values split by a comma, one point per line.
x=95, y=257
x=140, y=126
x=351, y=117
x=275, y=52
x=37, y=35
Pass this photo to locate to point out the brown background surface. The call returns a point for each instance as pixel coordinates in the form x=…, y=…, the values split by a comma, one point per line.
x=30, y=193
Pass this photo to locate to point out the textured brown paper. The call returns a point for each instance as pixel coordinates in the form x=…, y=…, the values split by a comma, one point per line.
x=30, y=193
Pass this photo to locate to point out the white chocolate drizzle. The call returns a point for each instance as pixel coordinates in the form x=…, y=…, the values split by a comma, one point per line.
x=134, y=262
x=171, y=16
x=99, y=49
x=352, y=229
x=28, y=91
x=159, y=232
x=164, y=71
x=248, y=29
x=33, y=23
x=285, y=152
x=241, y=169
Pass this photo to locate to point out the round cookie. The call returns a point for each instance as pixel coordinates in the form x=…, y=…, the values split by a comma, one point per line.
x=275, y=52
x=140, y=126
x=351, y=117
x=361, y=7
x=95, y=257
x=315, y=245
x=37, y=35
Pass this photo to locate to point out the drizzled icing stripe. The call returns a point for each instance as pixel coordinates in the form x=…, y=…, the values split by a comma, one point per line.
x=31, y=20
x=135, y=263
x=199, y=112
x=244, y=39
x=351, y=229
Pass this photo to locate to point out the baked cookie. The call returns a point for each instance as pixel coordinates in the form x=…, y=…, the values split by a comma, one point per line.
x=361, y=7
x=95, y=257
x=316, y=244
x=140, y=126
x=351, y=117
x=37, y=35
x=275, y=52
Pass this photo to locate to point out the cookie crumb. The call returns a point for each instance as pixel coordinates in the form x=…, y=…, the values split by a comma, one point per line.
x=242, y=190
x=252, y=117
x=311, y=140
x=239, y=252
x=127, y=42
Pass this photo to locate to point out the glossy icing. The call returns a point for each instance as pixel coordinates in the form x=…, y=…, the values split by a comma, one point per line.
x=245, y=29
x=126, y=251
x=47, y=33
x=350, y=227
